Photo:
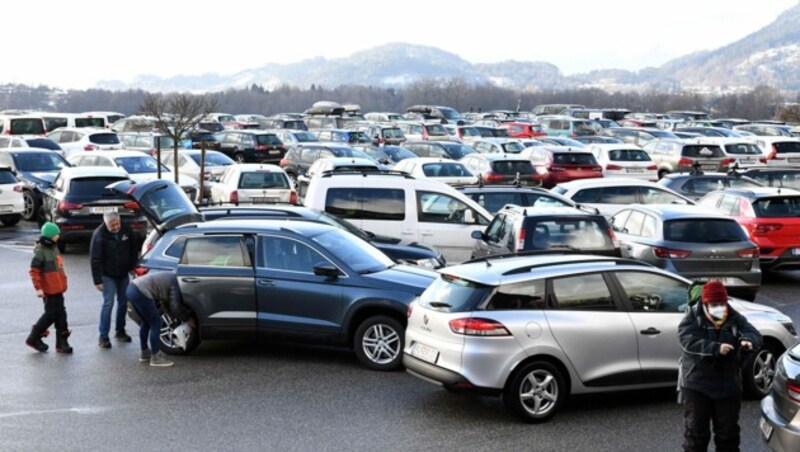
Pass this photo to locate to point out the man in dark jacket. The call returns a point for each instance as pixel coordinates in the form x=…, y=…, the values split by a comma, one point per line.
x=113, y=254
x=712, y=334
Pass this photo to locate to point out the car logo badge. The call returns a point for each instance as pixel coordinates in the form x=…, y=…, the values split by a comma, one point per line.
x=425, y=319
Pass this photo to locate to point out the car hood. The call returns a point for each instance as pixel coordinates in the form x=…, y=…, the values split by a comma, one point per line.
x=411, y=251
x=403, y=278
x=40, y=177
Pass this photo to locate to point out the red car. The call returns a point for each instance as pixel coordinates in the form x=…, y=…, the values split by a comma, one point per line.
x=771, y=216
x=524, y=130
x=558, y=165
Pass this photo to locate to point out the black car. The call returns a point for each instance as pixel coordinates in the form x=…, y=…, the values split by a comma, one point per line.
x=495, y=197
x=36, y=169
x=197, y=137
x=251, y=146
x=492, y=132
x=696, y=184
x=294, y=280
x=773, y=176
x=78, y=198
x=300, y=157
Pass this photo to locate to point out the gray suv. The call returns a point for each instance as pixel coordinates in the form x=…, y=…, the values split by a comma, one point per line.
x=536, y=329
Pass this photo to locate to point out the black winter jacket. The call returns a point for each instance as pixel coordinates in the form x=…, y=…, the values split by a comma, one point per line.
x=703, y=368
x=111, y=256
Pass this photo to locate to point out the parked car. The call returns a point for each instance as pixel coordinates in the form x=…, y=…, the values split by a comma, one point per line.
x=612, y=194
x=556, y=164
x=109, y=117
x=382, y=134
x=349, y=137
x=249, y=183
x=745, y=154
x=771, y=217
x=775, y=176
x=136, y=123
x=780, y=150
x=74, y=140
x=284, y=122
x=518, y=129
x=718, y=132
x=765, y=130
x=78, y=198
x=502, y=169
x=383, y=116
x=188, y=165
x=566, y=126
x=780, y=408
x=23, y=124
x=498, y=146
x=696, y=184
x=147, y=142
x=299, y=158
x=292, y=137
x=491, y=132
x=446, y=115
x=35, y=169
x=12, y=204
x=517, y=229
x=639, y=136
x=495, y=197
x=251, y=146
x=421, y=131
x=624, y=160
x=332, y=164
x=692, y=242
x=673, y=156
x=443, y=170
x=195, y=139
x=538, y=329
x=465, y=134
x=388, y=154
x=439, y=149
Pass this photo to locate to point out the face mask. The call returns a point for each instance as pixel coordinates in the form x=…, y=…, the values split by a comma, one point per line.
x=717, y=312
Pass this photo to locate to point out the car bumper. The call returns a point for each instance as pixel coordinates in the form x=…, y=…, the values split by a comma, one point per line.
x=441, y=376
x=776, y=431
x=784, y=261
x=12, y=208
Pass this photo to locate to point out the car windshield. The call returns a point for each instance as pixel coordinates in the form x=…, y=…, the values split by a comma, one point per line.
x=39, y=161
x=449, y=113
x=704, y=231
x=397, y=153
x=261, y=180
x=628, y=155
x=778, y=207
x=213, y=159
x=454, y=294
x=139, y=165
x=742, y=149
x=457, y=151
x=359, y=255
x=590, y=233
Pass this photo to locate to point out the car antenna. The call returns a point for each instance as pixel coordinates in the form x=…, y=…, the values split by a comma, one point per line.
x=480, y=180
x=488, y=264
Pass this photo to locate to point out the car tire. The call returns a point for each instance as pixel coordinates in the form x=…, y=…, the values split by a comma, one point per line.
x=11, y=220
x=378, y=343
x=168, y=323
x=535, y=392
x=238, y=156
x=758, y=372
x=31, y=204
x=662, y=173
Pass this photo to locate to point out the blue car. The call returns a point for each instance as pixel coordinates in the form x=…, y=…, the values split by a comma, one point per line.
x=36, y=169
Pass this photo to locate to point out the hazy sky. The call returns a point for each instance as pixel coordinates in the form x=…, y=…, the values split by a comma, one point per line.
x=73, y=45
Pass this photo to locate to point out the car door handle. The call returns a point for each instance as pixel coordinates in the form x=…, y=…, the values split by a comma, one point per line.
x=266, y=283
x=427, y=233
x=407, y=232
x=650, y=331
x=190, y=280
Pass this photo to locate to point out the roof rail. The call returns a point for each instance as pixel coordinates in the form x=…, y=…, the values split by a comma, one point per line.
x=366, y=172
x=615, y=260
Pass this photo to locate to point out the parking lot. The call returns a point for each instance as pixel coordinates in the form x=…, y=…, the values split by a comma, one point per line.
x=246, y=396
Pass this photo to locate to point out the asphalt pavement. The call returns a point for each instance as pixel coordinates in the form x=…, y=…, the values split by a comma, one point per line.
x=245, y=396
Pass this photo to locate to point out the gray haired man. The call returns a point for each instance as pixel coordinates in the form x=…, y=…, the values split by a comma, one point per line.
x=113, y=253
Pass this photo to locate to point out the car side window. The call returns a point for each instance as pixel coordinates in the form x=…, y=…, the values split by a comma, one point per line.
x=711, y=200
x=440, y=208
x=649, y=292
x=617, y=222
x=728, y=205
x=582, y=293
x=634, y=224
x=525, y=295
x=589, y=195
x=493, y=231
x=366, y=203
x=655, y=196
x=285, y=254
x=176, y=248
x=649, y=226
x=617, y=195
x=215, y=251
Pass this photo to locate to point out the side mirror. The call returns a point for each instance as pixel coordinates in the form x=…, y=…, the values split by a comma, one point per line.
x=477, y=235
x=469, y=216
x=328, y=270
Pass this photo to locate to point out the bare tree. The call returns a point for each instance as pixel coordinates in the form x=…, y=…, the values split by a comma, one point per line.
x=175, y=115
x=789, y=113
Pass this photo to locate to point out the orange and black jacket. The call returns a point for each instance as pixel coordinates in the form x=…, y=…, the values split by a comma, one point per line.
x=47, y=269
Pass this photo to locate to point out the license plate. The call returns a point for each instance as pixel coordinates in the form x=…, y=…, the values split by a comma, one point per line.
x=795, y=251
x=6, y=208
x=425, y=353
x=708, y=167
x=102, y=209
x=264, y=199
x=794, y=160
x=273, y=152
x=747, y=162
x=634, y=170
x=766, y=429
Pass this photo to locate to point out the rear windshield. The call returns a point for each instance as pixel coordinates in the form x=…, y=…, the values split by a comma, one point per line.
x=6, y=177
x=92, y=186
x=90, y=122
x=461, y=295
x=445, y=169
x=512, y=167
x=213, y=159
x=742, y=149
x=27, y=126
x=297, y=125
x=704, y=231
x=263, y=180
x=55, y=123
x=457, y=151
x=513, y=147
x=469, y=132
x=436, y=130
x=703, y=152
x=628, y=155
x=268, y=140
x=787, y=147
x=590, y=234
x=393, y=132
x=44, y=143
x=104, y=138
x=778, y=207
x=564, y=158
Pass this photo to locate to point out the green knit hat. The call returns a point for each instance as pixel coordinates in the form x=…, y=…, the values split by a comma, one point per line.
x=50, y=230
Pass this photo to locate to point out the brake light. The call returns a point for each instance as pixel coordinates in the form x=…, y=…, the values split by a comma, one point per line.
x=90, y=147
x=793, y=389
x=234, y=197
x=521, y=239
x=133, y=205
x=766, y=228
x=726, y=162
x=293, y=197
x=66, y=205
x=745, y=209
x=750, y=253
x=410, y=309
x=478, y=327
x=261, y=147
x=494, y=177
x=685, y=162
x=613, y=167
x=774, y=154
x=667, y=253
x=141, y=271
x=18, y=188
x=652, y=168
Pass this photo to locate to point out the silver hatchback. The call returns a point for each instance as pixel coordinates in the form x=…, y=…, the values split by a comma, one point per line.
x=535, y=329
x=780, y=421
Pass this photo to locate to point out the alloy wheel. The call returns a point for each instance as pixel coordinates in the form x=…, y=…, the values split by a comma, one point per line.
x=381, y=343
x=539, y=392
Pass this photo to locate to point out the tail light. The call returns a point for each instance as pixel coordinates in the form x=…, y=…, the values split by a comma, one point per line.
x=410, y=309
x=613, y=167
x=750, y=253
x=18, y=188
x=284, y=162
x=493, y=177
x=613, y=238
x=521, y=239
x=667, y=253
x=66, y=205
x=91, y=147
x=793, y=389
x=766, y=228
x=133, y=205
x=424, y=133
x=685, y=162
x=478, y=327
x=234, y=199
x=261, y=147
x=141, y=271
x=293, y=197
x=774, y=154
x=727, y=162
x=652, y=168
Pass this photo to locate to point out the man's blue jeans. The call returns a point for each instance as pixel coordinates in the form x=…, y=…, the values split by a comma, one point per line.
x=113, y=287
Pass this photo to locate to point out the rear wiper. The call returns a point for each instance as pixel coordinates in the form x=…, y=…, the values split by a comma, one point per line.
x=440, y=304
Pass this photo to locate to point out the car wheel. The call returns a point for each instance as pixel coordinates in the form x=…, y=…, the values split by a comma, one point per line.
x=238, y=157
x=378, y=343
x=758, y=372
x=662, y=173
x=11, y=220
x=31, y=206
x=535, y=392
x=168, y=346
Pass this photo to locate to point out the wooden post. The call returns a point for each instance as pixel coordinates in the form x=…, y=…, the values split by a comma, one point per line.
x=158, y=155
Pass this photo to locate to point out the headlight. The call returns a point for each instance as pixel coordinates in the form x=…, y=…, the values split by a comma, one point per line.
x=430, y=263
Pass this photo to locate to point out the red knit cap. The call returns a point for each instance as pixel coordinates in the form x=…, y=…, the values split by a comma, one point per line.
x=714, y=292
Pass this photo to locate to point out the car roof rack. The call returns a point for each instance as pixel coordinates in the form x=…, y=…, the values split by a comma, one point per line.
x=528, y=268
x=366, y=172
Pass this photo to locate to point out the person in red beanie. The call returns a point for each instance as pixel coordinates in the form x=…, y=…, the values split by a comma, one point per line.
x=711, y=335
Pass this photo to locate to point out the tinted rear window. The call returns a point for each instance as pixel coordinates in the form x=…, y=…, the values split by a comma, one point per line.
x=574, y=158
x=628, y=155
x=457, y=151
x=445, y=169
x=44, y=143
x=90, y=122
x=104, y=138
x=6, y=177
x=27, y=126
x=742, y=148
x=263, y=180
x=268, y=140
x=366, y=203
x=703, y=152
x=703, y=231
x=436, y=130
x=787, y=147
x=55, y=123
x=589, y=234
x=460, y=294
x=778, y=207
x=213, y=159
x=92, y=186
x=512, y=167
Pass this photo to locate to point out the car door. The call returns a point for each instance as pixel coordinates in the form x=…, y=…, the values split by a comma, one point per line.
x=593, y=330
x=444, y=224
x=656, y=304
x=217, y=280
x=291, y=298
x=491, y=237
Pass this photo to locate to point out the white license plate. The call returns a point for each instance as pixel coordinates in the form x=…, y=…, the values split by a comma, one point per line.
x=264, y=199
x=274, y=152
x=425, y=353
x=795, y=251
x=708, y=167
x=794, y=160
x=6, y=208
x=766, y=429
x=102, y=209
x=634, y=170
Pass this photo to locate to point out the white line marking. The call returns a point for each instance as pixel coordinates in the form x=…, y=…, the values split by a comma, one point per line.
x=78, y=410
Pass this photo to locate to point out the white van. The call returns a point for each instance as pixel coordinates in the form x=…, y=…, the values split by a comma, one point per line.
x=400, y=206
x=29, y=124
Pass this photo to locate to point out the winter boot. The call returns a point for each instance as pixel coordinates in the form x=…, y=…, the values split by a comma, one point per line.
x=34, y=340
x=62, y=346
